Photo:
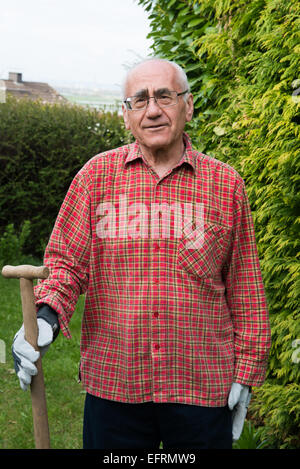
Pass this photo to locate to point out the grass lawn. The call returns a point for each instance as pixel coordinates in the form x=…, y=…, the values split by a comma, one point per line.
x=65, y=397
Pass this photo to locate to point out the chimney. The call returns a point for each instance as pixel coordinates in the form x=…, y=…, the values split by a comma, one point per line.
x=16, y=77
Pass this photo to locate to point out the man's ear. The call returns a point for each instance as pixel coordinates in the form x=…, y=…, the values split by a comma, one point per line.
x=125, y=117
x=189, y=108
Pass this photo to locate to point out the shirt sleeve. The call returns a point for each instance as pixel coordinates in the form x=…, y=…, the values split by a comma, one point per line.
x=67, y=254
x=246, y=297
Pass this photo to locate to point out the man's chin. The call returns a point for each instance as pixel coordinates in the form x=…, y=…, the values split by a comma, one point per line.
x=156, y=142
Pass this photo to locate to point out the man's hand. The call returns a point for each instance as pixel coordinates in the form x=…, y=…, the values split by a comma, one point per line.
x=25, y=355
x=238, y=401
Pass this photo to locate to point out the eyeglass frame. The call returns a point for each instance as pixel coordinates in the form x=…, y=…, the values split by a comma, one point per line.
x=127, y=101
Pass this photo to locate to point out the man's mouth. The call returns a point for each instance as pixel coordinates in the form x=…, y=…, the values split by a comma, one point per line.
x=155, y=126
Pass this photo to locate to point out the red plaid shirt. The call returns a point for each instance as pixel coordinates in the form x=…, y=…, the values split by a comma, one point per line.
x=162, y=322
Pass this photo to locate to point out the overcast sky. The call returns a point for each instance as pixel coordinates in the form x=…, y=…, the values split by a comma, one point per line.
x=72, y=41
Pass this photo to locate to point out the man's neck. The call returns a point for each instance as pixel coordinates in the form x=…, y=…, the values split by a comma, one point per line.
x=162, y=159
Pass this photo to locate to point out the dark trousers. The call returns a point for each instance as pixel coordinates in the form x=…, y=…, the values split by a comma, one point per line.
x=110, y=424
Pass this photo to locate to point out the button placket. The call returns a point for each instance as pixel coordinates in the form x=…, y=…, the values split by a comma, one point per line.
x=155, y=343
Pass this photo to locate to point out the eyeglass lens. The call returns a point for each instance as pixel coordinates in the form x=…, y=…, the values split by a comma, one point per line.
x=162, y=97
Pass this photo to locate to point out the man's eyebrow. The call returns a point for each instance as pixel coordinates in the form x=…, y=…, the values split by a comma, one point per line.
x=141, y=93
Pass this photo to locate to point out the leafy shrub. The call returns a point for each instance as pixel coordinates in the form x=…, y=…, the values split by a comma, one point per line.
x=242, y=60
x=251, y=438
x=12, y=245
x=42, y=147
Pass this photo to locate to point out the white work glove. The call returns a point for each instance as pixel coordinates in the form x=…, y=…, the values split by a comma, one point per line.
x=238, y=401
x=25, y=355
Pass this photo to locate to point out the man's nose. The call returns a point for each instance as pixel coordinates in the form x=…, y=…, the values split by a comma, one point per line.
x=153, y=108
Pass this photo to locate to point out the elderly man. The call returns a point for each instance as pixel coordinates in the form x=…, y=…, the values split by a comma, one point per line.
x=160, y=239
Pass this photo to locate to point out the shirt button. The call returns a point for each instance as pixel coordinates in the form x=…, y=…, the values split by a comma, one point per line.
x=156, y=247
x=156, y=347
x=155, y=314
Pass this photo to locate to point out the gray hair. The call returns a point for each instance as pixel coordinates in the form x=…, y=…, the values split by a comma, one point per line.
x=183, y=80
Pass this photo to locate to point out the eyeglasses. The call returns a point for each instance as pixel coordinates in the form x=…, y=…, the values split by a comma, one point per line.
x=165, y=98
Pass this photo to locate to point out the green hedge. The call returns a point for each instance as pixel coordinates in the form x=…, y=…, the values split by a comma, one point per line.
x=41, y=149
x=242, y=59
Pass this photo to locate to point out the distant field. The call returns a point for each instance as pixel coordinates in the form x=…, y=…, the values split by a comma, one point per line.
x=99, y=99
x=94, y=101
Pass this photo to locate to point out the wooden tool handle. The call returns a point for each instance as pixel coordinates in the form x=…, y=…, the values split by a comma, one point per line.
x=25, y=271
x=38, y=396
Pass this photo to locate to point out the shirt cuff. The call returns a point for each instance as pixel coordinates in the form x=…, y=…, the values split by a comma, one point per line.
x=62, y=317
x=250, y=373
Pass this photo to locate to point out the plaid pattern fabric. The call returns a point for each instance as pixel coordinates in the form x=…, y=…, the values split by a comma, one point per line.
x=162, y=322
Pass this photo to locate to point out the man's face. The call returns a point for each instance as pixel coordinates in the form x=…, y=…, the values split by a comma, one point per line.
x=157, y=127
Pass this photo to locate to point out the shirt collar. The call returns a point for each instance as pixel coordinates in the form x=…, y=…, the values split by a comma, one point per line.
x=187, y=157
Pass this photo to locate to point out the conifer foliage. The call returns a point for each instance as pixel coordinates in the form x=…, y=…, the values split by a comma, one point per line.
x=242, y=59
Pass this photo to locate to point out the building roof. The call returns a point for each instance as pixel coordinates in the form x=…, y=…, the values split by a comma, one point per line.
x=30, y=89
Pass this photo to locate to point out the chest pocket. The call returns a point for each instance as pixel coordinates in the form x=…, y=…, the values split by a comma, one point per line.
x=206, y=260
